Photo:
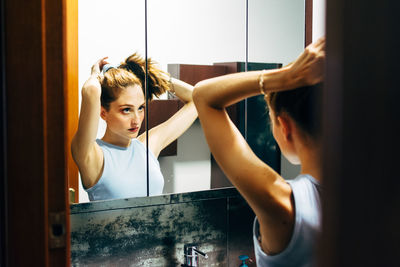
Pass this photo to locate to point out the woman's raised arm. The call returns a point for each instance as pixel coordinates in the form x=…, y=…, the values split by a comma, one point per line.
x=85, y=151
x=167, y=132
x=266, y=191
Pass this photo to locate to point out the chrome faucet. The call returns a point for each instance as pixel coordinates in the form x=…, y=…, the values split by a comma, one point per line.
x=191, y=255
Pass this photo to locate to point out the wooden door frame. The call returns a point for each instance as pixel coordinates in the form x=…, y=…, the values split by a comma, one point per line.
x=71, y=65
x=361, y=135
x=308, y=12
x=3, y=143
x=39, y=88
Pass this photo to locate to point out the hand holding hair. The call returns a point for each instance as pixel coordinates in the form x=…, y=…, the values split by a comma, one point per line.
x=93, y=80
x=98, y=66
x=308, y=68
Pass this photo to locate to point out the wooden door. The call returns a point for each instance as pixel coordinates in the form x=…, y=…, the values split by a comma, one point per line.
x=40, y=76
x=361, y=135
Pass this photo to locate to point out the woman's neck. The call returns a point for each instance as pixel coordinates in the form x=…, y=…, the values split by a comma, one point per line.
x=113, y=139
x=310, y=159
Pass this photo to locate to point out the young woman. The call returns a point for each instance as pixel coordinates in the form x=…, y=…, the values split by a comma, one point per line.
x=287, y=213
x=115, y=165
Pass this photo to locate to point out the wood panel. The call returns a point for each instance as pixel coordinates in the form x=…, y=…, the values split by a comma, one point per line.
x=36, y=149
x=159, y=112
x=26, y=181
x=361, y=132
x=71, y=90
x=308, y=25
x=54, y=118
x=193, y=74
x=3, y=144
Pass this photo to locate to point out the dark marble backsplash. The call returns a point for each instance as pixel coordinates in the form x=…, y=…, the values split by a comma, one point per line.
x=152, y=231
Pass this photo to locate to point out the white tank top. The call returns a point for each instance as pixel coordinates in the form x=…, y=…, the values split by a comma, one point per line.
x=124, y=173
x=307, y=226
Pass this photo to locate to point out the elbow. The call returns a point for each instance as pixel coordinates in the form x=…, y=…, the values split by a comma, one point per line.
x=198, y=93
x=74, y=147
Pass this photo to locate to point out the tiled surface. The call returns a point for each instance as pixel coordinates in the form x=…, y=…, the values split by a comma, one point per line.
x=219, y=221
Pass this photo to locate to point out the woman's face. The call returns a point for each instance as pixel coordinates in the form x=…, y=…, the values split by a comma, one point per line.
x=126, y=113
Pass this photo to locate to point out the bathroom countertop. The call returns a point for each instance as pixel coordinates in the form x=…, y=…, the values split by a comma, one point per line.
x=153, y=200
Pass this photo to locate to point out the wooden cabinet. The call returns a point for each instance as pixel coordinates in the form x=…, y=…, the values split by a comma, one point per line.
x=160, y=111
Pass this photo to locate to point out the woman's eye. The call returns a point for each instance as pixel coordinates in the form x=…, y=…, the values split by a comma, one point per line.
x=126, y=110
x=141, y=108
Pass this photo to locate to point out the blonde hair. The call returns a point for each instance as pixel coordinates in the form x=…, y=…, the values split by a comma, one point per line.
x=158, y=82
x=133, y=72
x=113, y=82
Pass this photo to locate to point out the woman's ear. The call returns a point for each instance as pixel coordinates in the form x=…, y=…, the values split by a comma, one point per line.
x=103, y=113
x=285, y=127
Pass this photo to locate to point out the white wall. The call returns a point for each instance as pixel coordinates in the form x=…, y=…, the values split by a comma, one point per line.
x=319, y=15
x=276, y=30
x=192, y=32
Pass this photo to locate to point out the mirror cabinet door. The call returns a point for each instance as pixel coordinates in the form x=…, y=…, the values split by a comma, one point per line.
x=275, y=38
x=187, y=38
x=108, y=28
x=194, y=40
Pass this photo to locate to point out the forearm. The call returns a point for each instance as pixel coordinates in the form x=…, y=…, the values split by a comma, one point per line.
x=226, y=90
x=307, y=69
x=89, y=117
x=182, y=90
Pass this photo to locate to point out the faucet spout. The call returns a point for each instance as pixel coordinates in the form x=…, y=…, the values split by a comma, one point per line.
x=201, y=253
x=191, y=255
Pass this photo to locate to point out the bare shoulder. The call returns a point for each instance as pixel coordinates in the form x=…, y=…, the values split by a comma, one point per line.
x=277, y=217
x=90, y=164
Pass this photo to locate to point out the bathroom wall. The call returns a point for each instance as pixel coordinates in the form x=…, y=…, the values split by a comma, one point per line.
x=152, y=231
x=319, y=16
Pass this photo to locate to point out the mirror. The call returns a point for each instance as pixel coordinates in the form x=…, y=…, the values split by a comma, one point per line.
x=203, y=36
x=190, y=32
x=108, y=28
x=276, y=35
x=183, y=33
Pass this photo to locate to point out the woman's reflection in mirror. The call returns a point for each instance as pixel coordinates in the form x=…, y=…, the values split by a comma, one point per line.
x=115, y=165
x=288, y=213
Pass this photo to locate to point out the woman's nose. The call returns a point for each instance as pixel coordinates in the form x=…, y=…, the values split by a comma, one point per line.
x=135, y=118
